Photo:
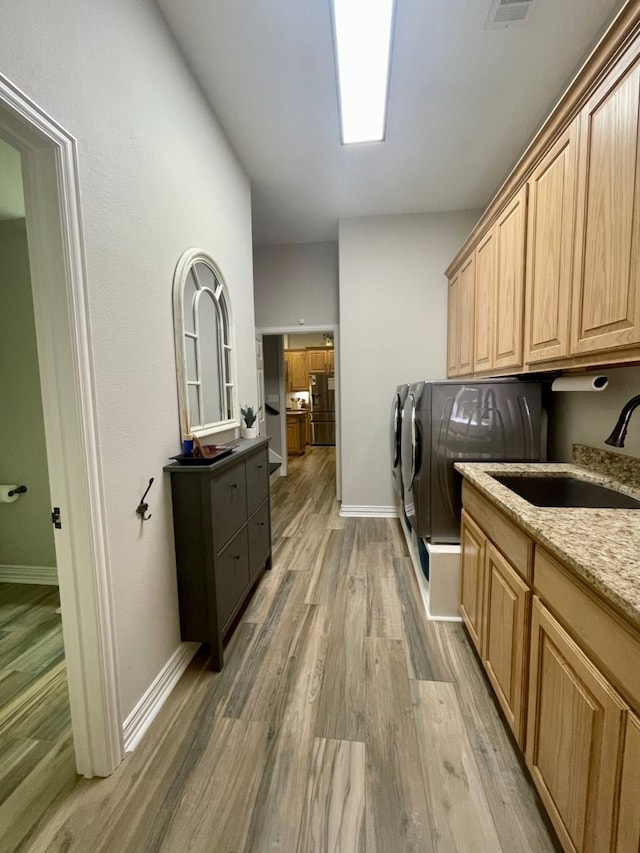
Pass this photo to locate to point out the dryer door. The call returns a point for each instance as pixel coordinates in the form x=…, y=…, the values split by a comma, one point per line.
x=396, y=421
x=409, y=453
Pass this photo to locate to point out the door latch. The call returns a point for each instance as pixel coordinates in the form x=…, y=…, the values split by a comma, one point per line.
x=55, y=518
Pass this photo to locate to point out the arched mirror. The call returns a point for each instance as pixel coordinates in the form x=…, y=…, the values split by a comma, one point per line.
x=204, y=345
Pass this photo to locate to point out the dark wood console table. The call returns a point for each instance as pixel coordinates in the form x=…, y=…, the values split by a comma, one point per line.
x=222, y=530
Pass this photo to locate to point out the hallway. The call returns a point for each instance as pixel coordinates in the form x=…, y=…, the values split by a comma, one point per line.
x=342, y=720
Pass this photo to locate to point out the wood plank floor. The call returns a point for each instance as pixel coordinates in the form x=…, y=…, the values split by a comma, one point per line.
x=342, y=720
x=37, y=762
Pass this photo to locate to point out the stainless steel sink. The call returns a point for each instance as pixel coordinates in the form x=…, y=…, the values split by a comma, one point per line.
x=561, y=491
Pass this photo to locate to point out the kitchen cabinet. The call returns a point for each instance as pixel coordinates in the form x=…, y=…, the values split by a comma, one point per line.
x=460, y=330
x=222, y=535
x=484, y=303
x=508, y=313
x=495, y=602
x=472, y=548
x=452, y=325
x=606, y=305
x=550, y=247
x=557, y=272
x=573, y=744
x=506, y=635
x=628, y=836
x=321, y=360
x=297, y=370
x=297, y=432
x=565, y=669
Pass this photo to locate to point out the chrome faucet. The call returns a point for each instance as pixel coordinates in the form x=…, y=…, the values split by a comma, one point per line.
x=616, y=439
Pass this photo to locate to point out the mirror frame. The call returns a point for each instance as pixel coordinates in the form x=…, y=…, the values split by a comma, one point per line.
x=185, y=264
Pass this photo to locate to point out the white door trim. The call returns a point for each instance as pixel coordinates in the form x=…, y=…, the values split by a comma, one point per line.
x=326, y=327
x=56, y=256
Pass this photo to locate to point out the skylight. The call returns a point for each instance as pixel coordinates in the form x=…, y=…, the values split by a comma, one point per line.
x=363, y=53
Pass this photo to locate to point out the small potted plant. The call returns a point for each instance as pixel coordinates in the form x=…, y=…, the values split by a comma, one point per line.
x=249, y=415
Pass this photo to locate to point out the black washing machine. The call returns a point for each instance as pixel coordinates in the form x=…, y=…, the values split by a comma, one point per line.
x=396, y=435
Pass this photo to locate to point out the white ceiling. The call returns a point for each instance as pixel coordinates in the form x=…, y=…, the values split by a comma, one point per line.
x=464, y=103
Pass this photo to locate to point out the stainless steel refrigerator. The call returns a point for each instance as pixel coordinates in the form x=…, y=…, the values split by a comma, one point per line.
x=323, y=408
x=445, y=422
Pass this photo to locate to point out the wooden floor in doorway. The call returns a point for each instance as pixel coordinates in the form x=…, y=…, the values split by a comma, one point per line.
x=342, y=721
x=37, y=762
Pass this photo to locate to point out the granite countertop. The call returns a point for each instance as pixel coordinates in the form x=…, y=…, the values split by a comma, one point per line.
x=600, y=545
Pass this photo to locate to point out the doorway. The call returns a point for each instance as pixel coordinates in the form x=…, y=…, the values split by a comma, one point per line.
x=289, y=405
x=64, y=356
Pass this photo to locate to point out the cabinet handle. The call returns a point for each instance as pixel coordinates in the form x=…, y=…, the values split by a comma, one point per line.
x=233, y=485
x=258, y=466
x=261, y=524
x=236, y=556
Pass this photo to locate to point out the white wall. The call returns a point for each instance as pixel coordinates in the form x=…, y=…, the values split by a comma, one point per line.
x=588, y=418
x=157, y=176
x=296, y=282
x=393, y=329
x=26, y=534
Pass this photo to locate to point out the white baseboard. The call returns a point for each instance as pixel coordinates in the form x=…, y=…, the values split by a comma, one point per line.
x=46, y=575
x=152, y=701
x=355, y=511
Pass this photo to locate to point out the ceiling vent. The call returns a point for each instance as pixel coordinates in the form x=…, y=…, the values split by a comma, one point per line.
x=509, y=13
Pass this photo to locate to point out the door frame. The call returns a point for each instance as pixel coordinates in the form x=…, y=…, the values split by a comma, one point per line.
x=301, y=330
x=65, y=357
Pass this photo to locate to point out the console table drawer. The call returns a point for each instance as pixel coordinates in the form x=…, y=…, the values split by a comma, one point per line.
x=259, y=538
x=228, y=504
x=232, y=576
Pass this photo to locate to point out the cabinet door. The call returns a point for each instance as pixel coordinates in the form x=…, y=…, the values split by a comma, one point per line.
x=606, y=303
x=628, y=840
x=330, y=356
x=472, y=562
x=232, y=577
x=484, y=301
x=259, y=539
x=317, y=360
x=257, y=473
x=509, y=296
x=506, y=632
x=574, y=733
x=228, y=504
x=452, y=326
x=466, y=316
x=298, y=371
x=550, y=243
x=292, y=435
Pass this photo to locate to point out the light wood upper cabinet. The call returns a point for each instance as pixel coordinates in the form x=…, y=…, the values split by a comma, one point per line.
x=466, y=311
x=606, y=293
x=297, y=370
x=628, y=840
x=550, y=247
x=484, y=303
x=509, y=296
x=506, y=629
x=460, y=323
x=574, y=733
x=452, y=326
x=321, y=360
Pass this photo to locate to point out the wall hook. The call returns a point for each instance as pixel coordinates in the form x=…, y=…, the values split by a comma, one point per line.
x=142, y=506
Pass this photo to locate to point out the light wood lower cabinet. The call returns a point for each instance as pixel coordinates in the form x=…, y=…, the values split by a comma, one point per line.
x=628, y=840
x=472, y=546
x=506, y=630
x=296, y=433
x=565, y=668
x=573, y=745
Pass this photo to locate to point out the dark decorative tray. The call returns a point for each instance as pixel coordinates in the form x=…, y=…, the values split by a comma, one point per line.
x=214, y=453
